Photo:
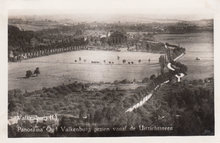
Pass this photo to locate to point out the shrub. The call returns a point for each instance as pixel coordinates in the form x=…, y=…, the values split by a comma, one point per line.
x=145, y=80
x=28, y=73
x=124, y=81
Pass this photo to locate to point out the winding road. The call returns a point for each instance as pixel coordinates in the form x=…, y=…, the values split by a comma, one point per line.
x=148, y=96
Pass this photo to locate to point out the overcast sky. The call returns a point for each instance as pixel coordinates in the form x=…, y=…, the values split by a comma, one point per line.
x=187, y=9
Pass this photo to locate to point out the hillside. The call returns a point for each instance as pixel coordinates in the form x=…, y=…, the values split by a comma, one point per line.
x=19, y=40
x=186, y=107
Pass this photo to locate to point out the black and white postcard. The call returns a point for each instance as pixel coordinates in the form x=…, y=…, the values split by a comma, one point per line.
x=107, y=68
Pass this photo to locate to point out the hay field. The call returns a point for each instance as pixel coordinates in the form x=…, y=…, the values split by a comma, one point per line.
x=66, y=68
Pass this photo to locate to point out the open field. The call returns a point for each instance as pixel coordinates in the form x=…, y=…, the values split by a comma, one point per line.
x=66, y=68
x=62, y=68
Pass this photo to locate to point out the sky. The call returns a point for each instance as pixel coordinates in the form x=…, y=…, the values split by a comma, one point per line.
x=171, y=9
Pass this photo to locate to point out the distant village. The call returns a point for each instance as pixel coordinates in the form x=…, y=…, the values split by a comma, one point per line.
x=29, y=39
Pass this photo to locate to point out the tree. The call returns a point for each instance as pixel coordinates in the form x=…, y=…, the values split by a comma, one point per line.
x=152, y=77
x=162, y=61
x=145, y=80
x=28, y=73
x=37, y=71
x=124, y=61
x=118, y=57
x=139, y=61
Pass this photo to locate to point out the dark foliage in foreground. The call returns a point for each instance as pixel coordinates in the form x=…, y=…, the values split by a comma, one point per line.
x=188, y=107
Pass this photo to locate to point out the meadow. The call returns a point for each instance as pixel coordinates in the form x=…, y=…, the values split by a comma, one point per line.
x=107, y=66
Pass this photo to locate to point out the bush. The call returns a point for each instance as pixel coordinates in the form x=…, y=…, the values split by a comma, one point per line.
x=152, y=77
x=124, y=81
x=28, y=73
x=145, y=80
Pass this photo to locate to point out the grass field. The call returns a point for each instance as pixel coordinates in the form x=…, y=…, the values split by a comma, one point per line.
x=66, y=68
x=62, y=68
